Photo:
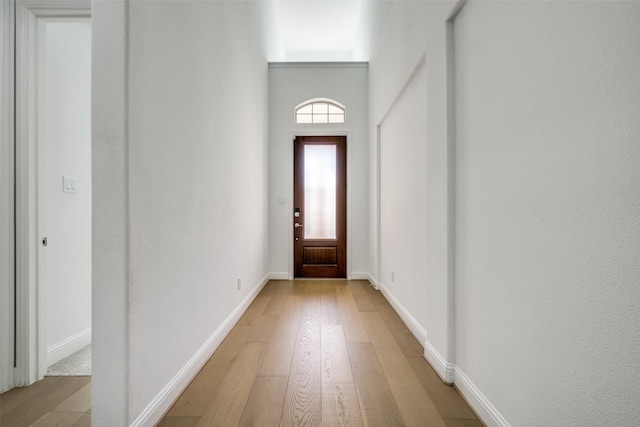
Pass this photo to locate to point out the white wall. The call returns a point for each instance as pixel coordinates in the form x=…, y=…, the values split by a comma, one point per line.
x=548, y=231
x=194, y=194
x=406, y=42
x=110, y=225
x=65, y=140
x=546, y=200
x=289, y=85
x=403, y=199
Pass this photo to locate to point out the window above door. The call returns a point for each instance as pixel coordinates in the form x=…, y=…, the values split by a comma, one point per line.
x=320, y=110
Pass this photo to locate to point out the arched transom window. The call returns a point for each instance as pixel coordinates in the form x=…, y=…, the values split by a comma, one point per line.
x=320, y=110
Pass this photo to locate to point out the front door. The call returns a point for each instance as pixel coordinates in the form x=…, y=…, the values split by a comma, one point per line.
x=320, y=206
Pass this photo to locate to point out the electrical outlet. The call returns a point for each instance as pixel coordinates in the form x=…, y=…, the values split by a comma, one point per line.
x=239, y=283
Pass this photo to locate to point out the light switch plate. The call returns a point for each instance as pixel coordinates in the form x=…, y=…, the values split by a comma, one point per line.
x=69, y=184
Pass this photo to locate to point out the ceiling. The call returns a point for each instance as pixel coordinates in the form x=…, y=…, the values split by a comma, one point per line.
x=316, y=30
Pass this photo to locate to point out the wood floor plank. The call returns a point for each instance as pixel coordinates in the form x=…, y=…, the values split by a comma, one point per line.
x=340, y=405
x=270, y=289
x=301, y=287
x=403, y=336
x=382, y=305
x=265, y=403
x=360, y=295
x=329, y=308
x=84, y=421
x=278, y=303
x=336, y=367
x=407, y=342
x=277, y=362
x=354, y=330
x=372, y=292
x=179, y=422
x=195, y=398
x=265, y=328
x=377, y=405
x=80, y=401
x=226, y=407
x=15, y=397
x=303, y=400
x=445, y=397
x=463, y=422
x=30, y=410
x=58, y=419
x=254, y=311
x=414, y=403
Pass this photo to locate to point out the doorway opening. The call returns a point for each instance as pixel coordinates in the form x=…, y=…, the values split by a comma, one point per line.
x=320, y=206
x=64, y=190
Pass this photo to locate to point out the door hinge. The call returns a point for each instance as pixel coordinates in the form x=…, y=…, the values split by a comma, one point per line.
x=45, y=242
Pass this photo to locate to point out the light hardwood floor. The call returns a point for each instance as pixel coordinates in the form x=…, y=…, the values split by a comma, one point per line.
x=53, y=401
x=319, y=353
x=305, y=353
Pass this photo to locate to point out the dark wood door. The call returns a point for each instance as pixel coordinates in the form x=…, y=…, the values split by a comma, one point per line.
x=320, y=206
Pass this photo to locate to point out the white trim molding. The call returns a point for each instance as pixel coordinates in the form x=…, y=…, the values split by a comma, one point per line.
x=375, y=283
x=416, y=329
x=358, y=275
x=282, y=275
x=67, y=347
x=444, y=369
x=478, y=401
x=7, y=224
x=156, y=409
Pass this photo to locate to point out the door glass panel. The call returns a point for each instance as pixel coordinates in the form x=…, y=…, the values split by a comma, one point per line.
x=320, y=191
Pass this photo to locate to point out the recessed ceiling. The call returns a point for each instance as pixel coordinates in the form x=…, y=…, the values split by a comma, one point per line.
x=317, y=30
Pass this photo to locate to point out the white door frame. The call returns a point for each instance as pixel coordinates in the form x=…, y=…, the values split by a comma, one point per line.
x=31, y=348
x=7, y=205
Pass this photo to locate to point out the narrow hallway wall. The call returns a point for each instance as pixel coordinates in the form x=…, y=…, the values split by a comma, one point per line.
x=409, y=127
x=547, y=274
x=193, y=195
x=546, y=200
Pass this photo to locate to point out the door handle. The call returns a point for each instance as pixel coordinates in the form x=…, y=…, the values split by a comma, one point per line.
x=298, y=225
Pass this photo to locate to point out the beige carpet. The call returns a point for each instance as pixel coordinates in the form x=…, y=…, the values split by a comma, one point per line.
x=76, y=365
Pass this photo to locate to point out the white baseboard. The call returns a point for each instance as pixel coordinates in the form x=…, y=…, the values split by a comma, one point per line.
x=279, y=276
x=416, y=328
x=167, y=396
x=359, y=275
x=67, y=347
x=480, y=404
x=444, y=369
x=373, y=281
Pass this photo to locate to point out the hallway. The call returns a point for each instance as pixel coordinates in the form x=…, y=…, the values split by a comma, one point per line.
x=492, y=197
x=319, y=352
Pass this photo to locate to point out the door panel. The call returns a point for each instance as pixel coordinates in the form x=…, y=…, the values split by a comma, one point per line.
x=320, y=207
